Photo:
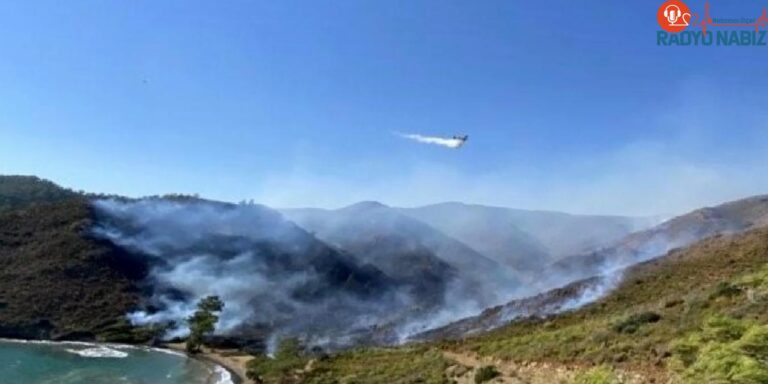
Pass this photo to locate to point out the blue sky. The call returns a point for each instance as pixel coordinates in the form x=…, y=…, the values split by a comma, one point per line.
x=569, y=105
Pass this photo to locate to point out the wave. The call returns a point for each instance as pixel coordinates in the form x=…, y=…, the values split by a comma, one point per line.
x=220, y=374
x=112, y=350
x=100, y=351
x=168, y=351
x=77, y=343
x=224, y=376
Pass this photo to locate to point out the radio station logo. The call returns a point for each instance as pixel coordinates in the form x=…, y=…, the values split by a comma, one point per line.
x=681, y=26
x=674, y=16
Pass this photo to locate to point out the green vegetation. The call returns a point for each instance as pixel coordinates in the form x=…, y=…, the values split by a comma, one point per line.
x=121, y=331
x=203, y=322
x=658, y=301
x=486, y=373
x=57, y=283
x=23, y=191
x=635, y=321
x=371, y=366
x=383, y=366
x=597, y=375
x=698, y=315
x=286, y=361
x=726, y=349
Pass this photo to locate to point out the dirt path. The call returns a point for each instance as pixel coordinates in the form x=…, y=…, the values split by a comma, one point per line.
x=510, y=373
x=232, y=360
x=467, y=364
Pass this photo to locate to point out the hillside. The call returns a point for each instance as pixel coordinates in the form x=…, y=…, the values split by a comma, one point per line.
x=491, y=234
x=57, y=282
x=274, y=277
x=21, y=191
x=699, y=314
x=111, y=261
x=74, y=268
x=395, y=242
x=600, y=270
x=731, y=217
x=78, y=268
x=523, y=239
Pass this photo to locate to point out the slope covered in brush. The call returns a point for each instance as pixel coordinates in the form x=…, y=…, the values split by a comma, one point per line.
x=409, y=249
x=21, y=191
x=731, y=217
x=525, y=239
x=57, y=281
x=698, y=314
x=705, y=288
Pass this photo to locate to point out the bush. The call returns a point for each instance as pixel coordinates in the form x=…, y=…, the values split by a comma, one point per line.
x=633, y=323
x=597, y=375
x=287, y=360
x=289, y=348
x=726, y=350
x=486, y=373
x=404, y=365
x=754, y=343
x=719, y=363
x=725, y=289
x=686, y=350
x=723, y=329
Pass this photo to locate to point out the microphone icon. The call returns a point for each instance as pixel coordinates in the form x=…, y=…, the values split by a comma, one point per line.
x=672, y=13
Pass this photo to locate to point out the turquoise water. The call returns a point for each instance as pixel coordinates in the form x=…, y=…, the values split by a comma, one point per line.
x=65, y=363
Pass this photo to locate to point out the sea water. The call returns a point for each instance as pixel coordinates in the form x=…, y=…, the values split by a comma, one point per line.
x=87, y=363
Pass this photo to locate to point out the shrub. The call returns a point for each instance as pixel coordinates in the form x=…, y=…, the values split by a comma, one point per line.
x=686, y=350
x=287, y=360
x=486, y=373
x=404, y=365
x=725, y=289
x=597, y=375
x=723, y=329
x=726, y=350
x=719, y=363
x=634, y=322
x=754, y=343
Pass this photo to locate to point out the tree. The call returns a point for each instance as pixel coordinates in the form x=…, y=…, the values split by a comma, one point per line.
x=203, y=321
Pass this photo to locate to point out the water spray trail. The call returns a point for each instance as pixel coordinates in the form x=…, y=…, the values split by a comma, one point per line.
x=442, y=141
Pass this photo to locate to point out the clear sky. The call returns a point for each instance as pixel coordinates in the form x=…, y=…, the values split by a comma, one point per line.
x=569, y=105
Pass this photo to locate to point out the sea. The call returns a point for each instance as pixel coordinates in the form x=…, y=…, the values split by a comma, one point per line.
x=40, y=362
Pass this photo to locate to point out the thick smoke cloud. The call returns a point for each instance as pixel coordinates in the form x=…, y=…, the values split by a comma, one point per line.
x=278, y=280
x=271, y=274
x=275, y=278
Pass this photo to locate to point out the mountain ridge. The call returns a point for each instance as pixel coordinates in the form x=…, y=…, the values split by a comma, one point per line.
x=60, y=278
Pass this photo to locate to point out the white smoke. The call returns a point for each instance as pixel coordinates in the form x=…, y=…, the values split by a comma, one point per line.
x=443, y=141
x=275, y=279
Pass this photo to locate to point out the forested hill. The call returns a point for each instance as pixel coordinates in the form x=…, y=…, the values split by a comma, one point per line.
x=21, y=191
x=56, y=282
x=697, y=315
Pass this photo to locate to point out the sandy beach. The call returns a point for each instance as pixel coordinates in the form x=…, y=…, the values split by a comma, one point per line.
x=231, y=359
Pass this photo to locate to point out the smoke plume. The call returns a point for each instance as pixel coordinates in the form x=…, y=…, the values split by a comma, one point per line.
x=403, y=277
x=275, y=279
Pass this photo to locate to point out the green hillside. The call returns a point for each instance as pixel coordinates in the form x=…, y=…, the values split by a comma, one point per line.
x=56, y=282
x=697, y=315
x=21, y=191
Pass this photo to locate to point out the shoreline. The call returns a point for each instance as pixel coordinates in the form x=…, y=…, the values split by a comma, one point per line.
x=235, y=364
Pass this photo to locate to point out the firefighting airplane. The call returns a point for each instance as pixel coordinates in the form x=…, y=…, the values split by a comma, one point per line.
x=459, y=140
